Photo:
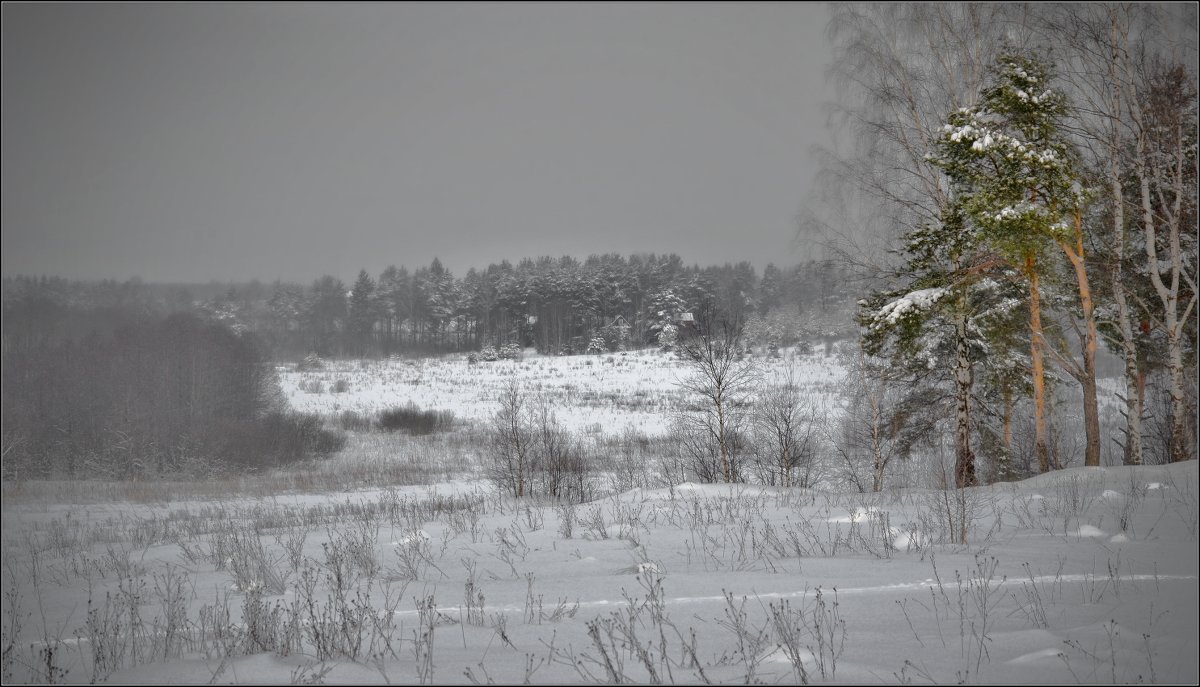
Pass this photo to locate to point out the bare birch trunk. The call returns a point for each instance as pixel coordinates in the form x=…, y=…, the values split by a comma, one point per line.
x=1132, y=450
x=877, y=444
x=1179, y=434
x=964, y=461
x=1118, y=38
x=1008, y=430
x=1169, y=295
x=722, y=440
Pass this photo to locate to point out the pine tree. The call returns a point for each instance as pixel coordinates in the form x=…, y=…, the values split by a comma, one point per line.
x=662, y=311
x=770, y=289
x=363, y=312
x=326, y=314
x=950, y=301
x=1013, y=168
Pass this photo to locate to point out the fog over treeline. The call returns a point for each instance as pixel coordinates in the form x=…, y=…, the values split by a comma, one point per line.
x=557, y=305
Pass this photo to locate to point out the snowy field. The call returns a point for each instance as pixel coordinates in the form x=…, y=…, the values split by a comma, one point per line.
x=631, y=389
x=1083, y=576
x=1080, y=576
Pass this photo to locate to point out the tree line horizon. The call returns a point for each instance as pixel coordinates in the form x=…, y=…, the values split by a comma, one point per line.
x=557, y=305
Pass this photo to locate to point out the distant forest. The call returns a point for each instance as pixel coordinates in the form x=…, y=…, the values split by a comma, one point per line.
x=558, y=305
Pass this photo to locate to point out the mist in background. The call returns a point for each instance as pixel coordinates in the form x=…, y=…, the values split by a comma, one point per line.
x=182, y=142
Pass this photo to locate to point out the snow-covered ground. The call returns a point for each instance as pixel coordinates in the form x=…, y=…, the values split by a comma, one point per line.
x=1082, y=575
x=630, y=389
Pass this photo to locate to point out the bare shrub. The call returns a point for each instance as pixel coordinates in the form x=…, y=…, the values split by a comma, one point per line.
x=566, y=520
x=556, y=457
x=511, y=439
x=237, y=549
x=410, y=418
x=883, y=423
x=631, y=463
x=786, y=427
x=698, y=446
x=353, y=421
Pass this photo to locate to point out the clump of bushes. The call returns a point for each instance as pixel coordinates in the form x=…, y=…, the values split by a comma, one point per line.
x=354, y=421
x=488, y=354
x=154, y=398
x=312, y=361
x=277, y=439
x=410, y=418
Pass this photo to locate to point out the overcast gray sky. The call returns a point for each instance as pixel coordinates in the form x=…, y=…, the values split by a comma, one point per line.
x=181, y=142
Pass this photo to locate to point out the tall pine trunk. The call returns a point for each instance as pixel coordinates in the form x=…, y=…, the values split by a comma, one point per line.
x=1041, y=446
x=1091, y=411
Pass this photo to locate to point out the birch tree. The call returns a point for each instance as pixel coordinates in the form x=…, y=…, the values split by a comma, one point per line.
x=1110, y=51
x=719, y=377
x=785, y=420
x=1164, y=164
x=511, y=441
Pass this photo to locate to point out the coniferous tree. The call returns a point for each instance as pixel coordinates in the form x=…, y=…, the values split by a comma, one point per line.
x=770, y=289
x=955, y=295
x=1015, y=172
x=326, y=315
x=363, y=313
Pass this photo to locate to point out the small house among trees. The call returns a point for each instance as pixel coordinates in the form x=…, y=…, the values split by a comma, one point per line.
x=616, y=333
x=685, y=322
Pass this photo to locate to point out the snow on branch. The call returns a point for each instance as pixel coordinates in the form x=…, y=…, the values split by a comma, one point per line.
x=910, y=303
